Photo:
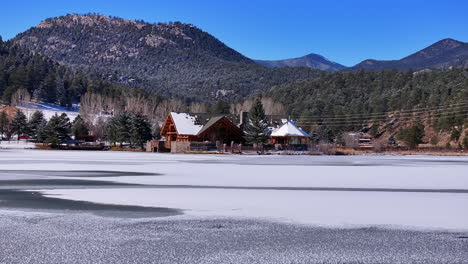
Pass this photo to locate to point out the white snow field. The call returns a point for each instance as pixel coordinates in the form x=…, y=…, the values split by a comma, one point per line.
x=48, y=110
x=402, y=192
x=16, y=144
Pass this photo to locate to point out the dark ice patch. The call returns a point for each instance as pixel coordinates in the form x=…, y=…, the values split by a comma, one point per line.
x=60, y=183
x=33, y=200
x=76, y=173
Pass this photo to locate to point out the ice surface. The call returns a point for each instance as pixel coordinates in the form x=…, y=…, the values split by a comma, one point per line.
x=396, y=191
x=335, y=209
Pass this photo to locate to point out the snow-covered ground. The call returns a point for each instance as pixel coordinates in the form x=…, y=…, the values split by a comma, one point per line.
x=48, y=110
x=389, y=191
x=16, y=144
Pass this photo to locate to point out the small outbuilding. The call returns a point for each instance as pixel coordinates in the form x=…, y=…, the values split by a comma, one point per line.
x=289, y=134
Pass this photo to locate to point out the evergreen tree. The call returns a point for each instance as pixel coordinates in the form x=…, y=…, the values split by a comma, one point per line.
x=140, y=130
x=19, y=124
x=391, y=141
x=455, y=134
x=413, y=135
x=58, y=129
x=36, y=120
x=156, y=131
x=119, y=128
x=41, y=131
x=4, y=123
x=465, y=141
x=325, y=134
x=256, y=130
x=8, y=93
x=111, y=131
x=80, y=129
x=124, y=124
x=48, y=88
x=77, y=86
x=3, y=78
x=221, y=107
x=374, y=130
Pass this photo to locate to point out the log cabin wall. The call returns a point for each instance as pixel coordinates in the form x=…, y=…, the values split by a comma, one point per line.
x=223, y=130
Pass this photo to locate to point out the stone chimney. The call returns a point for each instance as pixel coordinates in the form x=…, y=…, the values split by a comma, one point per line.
x=243, y=119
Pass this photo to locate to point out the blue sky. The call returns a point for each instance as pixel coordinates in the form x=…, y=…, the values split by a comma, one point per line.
x=346, y=31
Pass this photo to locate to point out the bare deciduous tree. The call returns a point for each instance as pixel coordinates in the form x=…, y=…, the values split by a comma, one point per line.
x=94, y=106
x=98, y=128
x=20, y=97
x=351, y=140
x=198, y=108
x=271, y=107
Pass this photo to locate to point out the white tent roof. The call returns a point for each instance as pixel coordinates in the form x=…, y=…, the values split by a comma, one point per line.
x=289, y=129
x=185, y=124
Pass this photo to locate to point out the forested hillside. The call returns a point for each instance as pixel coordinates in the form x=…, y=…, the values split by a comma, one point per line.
x=173, y=59
x=25, y=75
x=37, y=76
x=351, y=101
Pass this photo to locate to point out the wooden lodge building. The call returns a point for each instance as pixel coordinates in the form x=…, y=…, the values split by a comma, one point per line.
x=185, y=132
x=180, y=130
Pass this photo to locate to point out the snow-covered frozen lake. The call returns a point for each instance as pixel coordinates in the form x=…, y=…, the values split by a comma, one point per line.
x=392, y=191
x=232, y=209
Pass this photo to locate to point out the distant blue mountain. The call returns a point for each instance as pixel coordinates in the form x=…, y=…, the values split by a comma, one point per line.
x=313, y=61
x=443, y=54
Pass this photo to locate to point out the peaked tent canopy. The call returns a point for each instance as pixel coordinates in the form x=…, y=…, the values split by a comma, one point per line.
x=289, y=129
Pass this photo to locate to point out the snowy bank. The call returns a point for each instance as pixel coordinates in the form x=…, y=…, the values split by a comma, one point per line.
x=14, y=144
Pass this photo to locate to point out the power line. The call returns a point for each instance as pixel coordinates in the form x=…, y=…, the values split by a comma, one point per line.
x=397, y=119
x=406, y=112
x=364, y=118
x=464, y=112
x=377, y=114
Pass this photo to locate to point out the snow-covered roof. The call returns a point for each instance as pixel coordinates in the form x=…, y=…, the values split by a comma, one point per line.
x=289, y=129
x=185, y=124
x=210, y=122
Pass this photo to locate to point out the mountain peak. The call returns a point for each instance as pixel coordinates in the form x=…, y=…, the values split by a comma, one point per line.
x=436, y=49
x=97, y=37
x=312, y=60
x=175, y=59
x=448, y=41
x=444, y=53
x=88, y=20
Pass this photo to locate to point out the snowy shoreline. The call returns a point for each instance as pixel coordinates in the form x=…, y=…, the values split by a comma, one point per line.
x=11, y=145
